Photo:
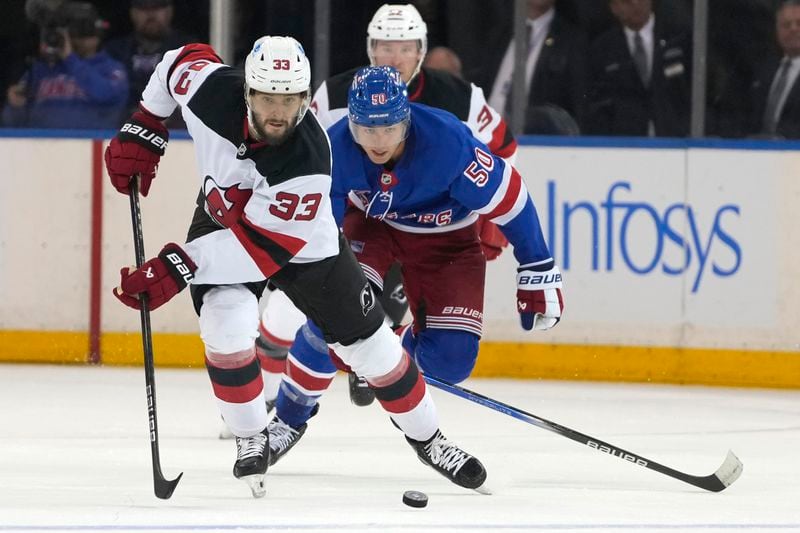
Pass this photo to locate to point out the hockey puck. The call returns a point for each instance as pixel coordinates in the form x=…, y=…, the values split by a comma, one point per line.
x=414, y=498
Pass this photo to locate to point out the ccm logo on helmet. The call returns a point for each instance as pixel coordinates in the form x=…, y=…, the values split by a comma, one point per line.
x=145, y=134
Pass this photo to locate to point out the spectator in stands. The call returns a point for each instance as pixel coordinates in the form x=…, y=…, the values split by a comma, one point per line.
x=555, y=68
x=17, y=41
x=72, y=84
x=142, y=50
x=640, y=72
x=443, y=58
x=776, y=89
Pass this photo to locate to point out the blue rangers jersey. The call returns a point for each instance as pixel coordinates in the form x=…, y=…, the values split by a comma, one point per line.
x=443, y=180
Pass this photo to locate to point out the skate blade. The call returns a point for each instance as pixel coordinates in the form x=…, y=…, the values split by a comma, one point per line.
x=225, y=433
x=256, y=484
x=483, y=489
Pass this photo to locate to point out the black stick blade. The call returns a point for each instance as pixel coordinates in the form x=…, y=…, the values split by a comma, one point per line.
x=165, y=487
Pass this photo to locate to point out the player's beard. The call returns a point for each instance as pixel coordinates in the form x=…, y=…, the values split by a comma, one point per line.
x=273, y=139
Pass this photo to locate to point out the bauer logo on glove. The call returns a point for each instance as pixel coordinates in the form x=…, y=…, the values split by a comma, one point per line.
x=136, y=151
x=539, y=299
x=137, y=132
x=160, y=278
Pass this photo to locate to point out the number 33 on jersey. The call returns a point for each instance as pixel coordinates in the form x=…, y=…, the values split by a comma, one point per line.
x=270, y=199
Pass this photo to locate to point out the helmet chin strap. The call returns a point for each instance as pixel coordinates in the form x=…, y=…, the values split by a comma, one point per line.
x=416, y=71
x=250, y=119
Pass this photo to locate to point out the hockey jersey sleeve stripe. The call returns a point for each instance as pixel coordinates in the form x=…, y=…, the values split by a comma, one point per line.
x=500, y=192
x=510, y=196
x=190, y=53
x=503, y=143
x=522, y=199
x=270, y=250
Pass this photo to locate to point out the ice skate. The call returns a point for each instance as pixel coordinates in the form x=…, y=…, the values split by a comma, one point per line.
x=252, y=460
x=282, y=436
x=225, y=432
x=360, y=393
x=451, y=461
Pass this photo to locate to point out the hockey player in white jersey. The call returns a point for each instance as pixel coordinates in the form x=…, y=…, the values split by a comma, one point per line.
x=263, y=213
x=397, y=37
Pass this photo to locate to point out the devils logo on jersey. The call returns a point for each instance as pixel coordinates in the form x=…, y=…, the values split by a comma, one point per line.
x=225, y=205
x=367, y=299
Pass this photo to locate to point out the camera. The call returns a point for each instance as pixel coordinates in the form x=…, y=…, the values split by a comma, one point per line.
x=57, y=18
x=50, y=17
x=52, y=39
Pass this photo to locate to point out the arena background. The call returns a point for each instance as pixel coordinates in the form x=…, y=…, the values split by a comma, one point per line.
x=680, y=260
x=680, y=257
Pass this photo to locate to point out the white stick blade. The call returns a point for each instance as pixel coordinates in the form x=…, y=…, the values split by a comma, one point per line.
x=730, y=470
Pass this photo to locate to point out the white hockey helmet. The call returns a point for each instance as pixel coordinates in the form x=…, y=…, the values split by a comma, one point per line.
x=397, y=22
x=278, y=65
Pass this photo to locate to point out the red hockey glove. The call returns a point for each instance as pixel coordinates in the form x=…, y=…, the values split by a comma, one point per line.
x=136, y=150
x=161, y=278
x=492, y=239
x=539, y=300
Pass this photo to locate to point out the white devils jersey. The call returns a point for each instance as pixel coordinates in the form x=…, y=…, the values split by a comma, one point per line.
x=434, y=88
x=270, y=203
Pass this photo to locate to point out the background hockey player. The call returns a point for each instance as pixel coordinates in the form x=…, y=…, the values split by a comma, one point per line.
x=264, y=212
x=409, y=182
x=396, y=37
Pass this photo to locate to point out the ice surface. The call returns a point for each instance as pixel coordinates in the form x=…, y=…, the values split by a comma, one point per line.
x=75, y=456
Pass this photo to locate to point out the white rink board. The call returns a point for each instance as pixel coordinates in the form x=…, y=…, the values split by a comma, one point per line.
x=734, y=209
x=663, y=247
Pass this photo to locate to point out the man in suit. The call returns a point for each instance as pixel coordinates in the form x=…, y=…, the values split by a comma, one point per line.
x=641, y=76
x=776, y=90
x=555, y=70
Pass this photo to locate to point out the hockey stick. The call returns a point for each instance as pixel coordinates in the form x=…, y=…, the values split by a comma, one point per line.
x=725, y=475
x=163, y=487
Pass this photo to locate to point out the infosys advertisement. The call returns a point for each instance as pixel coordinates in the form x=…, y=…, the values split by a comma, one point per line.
x=664, y=247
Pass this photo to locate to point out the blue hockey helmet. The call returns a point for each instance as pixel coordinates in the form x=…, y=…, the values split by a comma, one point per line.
x=378, y=97
x=378, y=109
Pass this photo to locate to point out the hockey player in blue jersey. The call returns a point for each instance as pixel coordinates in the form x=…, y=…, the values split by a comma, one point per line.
x=263, y=213
x=409, y=182
x=397, y=36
